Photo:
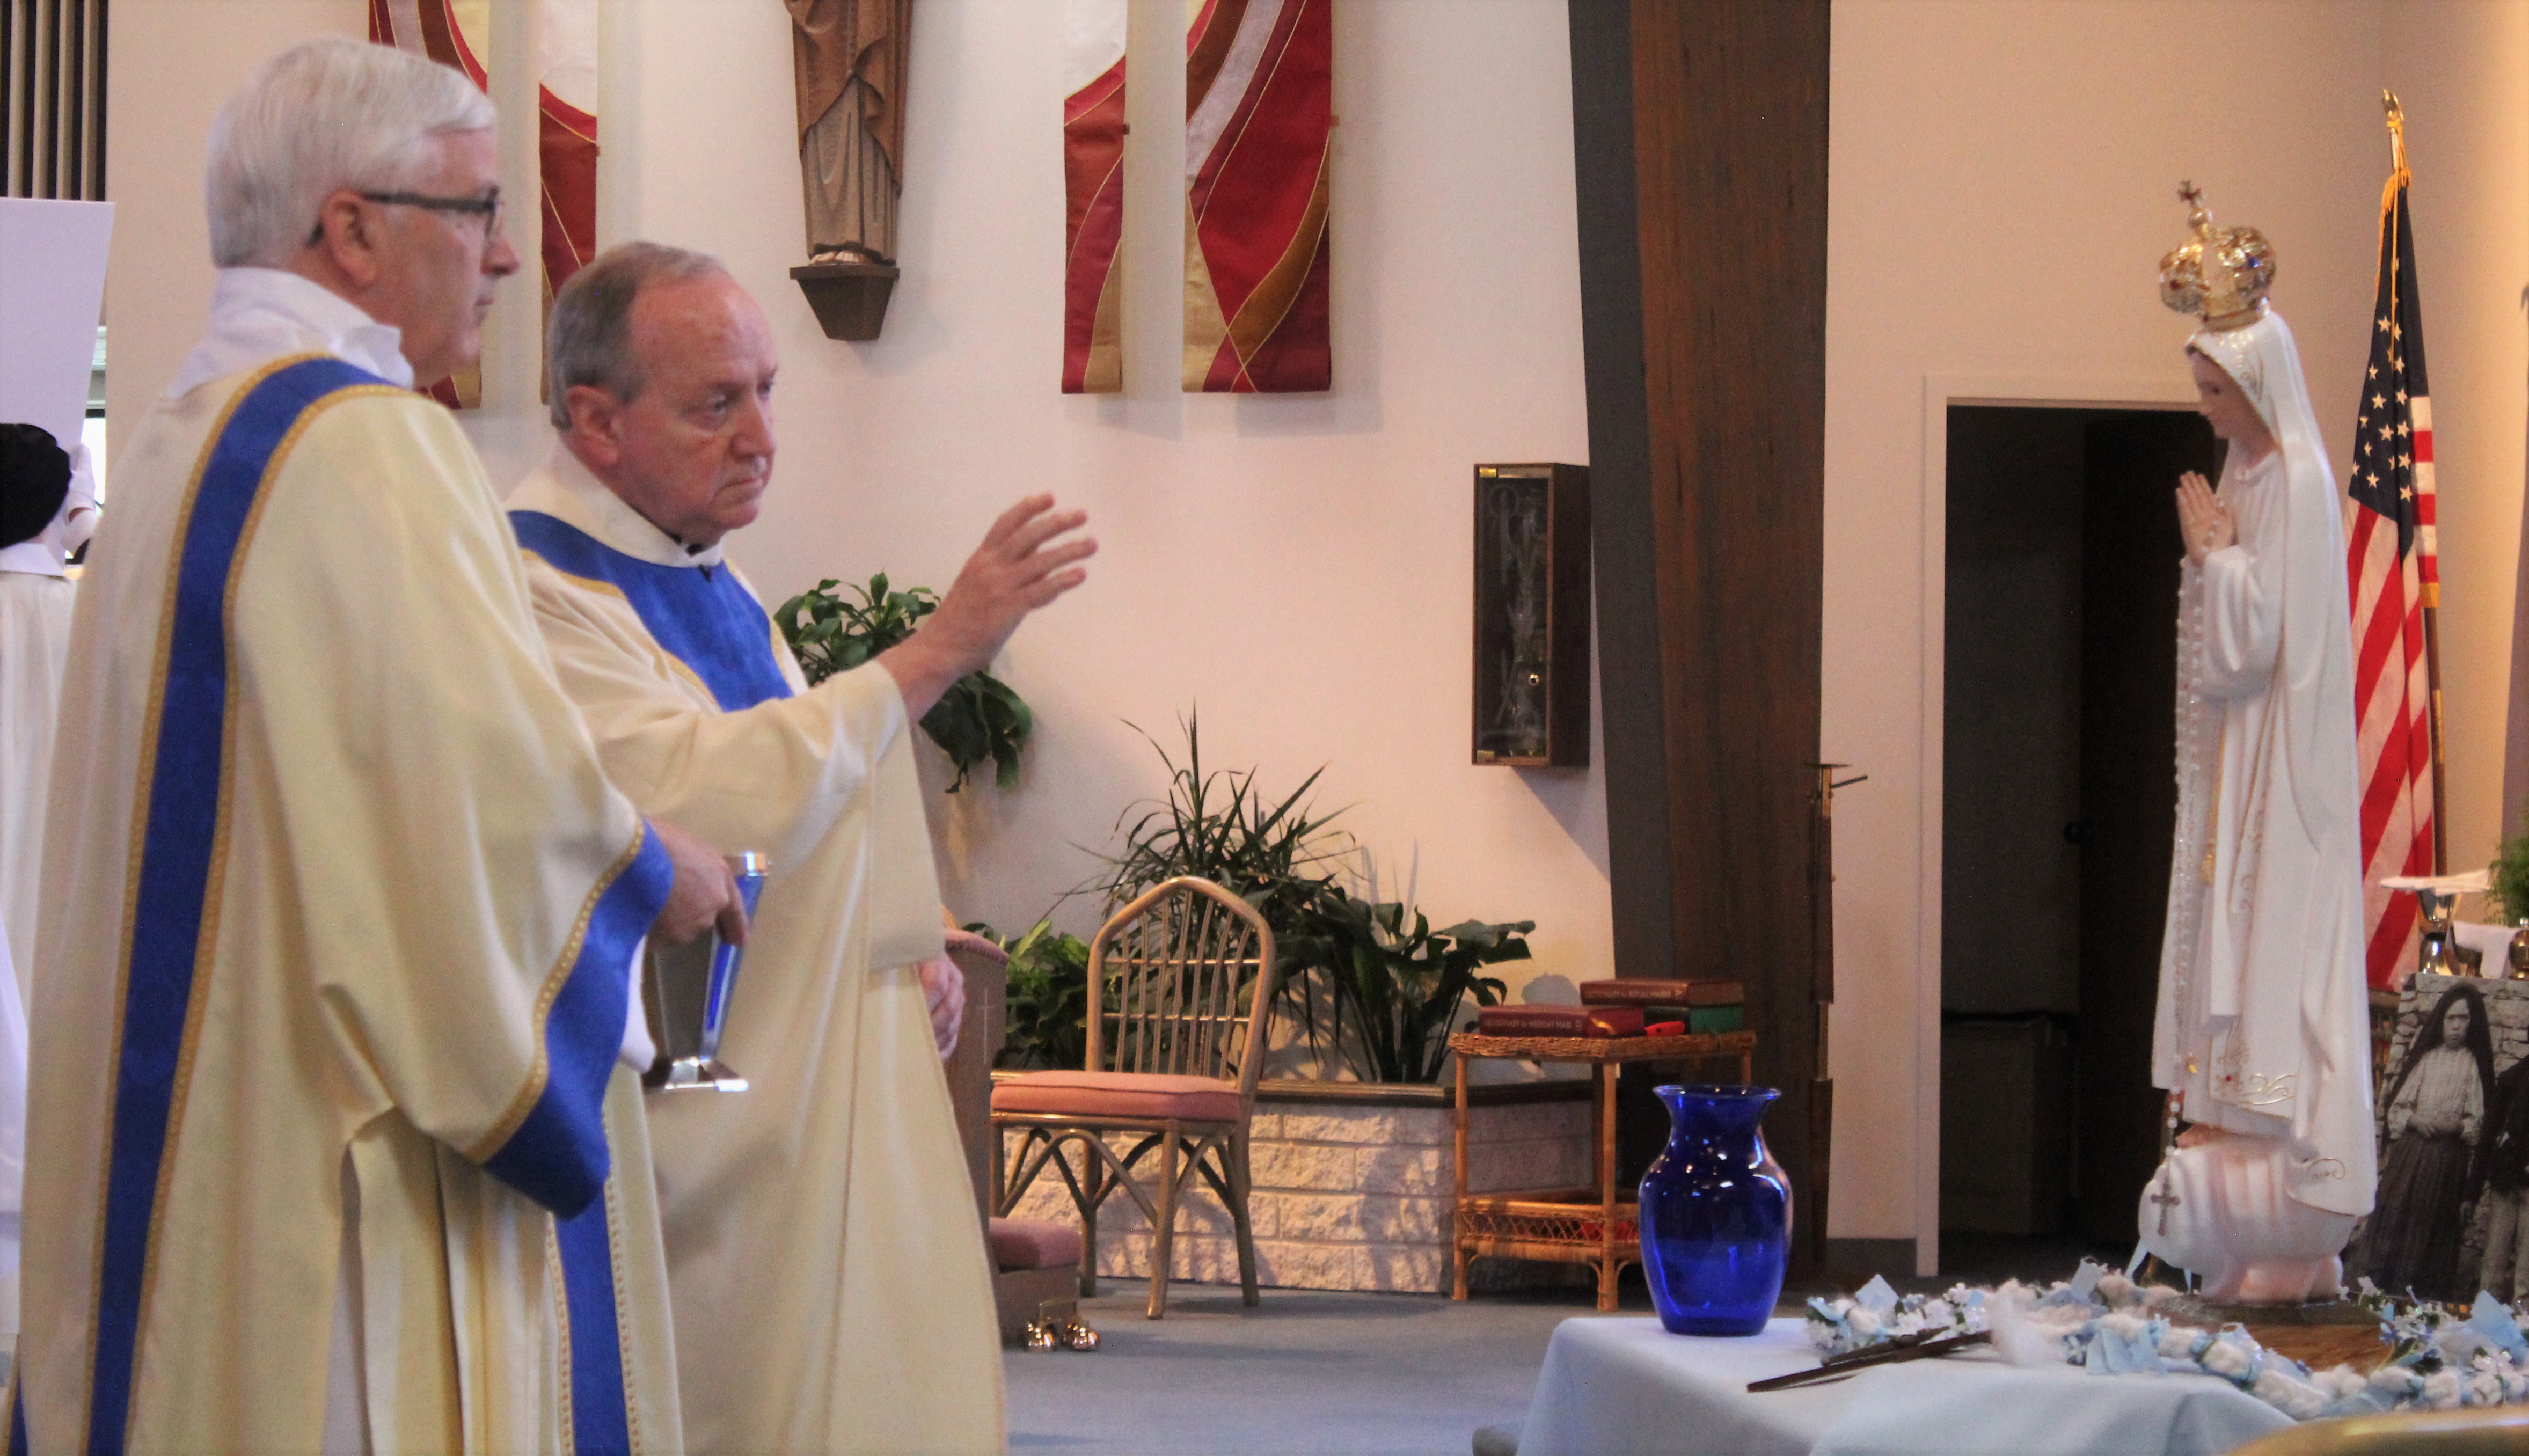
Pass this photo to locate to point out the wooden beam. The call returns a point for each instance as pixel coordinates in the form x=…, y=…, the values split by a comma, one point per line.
x=1700, y=132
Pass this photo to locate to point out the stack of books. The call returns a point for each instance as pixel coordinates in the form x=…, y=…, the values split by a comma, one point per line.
x=1704, y=1007
x=1559, y=1021
x=1626, y=1008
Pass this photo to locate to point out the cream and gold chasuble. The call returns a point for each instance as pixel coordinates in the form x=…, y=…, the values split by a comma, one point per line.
x=336, y=1019
x=831, y=1288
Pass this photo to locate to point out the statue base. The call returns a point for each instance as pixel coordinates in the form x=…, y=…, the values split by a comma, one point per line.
x=2320, y=1312
x=849, y=298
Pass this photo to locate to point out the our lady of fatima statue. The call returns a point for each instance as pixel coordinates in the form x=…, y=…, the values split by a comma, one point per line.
x=2262, y=1036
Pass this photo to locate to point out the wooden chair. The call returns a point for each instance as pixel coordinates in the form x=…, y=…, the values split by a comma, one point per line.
x=1180, y=981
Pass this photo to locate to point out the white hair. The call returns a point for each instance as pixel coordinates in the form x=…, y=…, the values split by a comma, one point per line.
x=323, y=115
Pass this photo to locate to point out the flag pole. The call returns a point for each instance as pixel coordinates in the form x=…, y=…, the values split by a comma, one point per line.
x=2398, y=178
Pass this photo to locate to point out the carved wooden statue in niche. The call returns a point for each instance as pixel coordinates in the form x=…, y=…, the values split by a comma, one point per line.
x=849, y=59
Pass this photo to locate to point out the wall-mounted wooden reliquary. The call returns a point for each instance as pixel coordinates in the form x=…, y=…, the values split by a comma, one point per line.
x=1531, y=680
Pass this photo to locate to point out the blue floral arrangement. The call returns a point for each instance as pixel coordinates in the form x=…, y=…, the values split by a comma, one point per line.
x=2440, y=1358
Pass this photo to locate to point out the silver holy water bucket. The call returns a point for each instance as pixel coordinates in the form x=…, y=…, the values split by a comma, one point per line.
x=2436, y=950
x=686, y=990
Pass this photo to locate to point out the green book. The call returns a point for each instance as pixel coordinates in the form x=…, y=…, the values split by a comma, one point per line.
x=1702, y=1021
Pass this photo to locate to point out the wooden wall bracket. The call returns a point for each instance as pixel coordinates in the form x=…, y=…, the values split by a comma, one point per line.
x=850, y=298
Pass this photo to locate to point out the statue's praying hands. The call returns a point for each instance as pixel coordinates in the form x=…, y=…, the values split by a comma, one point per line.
x=2203, y=522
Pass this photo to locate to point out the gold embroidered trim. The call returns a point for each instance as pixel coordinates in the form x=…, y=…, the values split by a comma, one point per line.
x=525, y=1102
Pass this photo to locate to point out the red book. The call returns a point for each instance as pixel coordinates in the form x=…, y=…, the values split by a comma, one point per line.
x=1559, y=1021
x=1643, y=992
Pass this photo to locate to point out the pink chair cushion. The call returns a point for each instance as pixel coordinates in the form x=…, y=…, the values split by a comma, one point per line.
x=1118, y=1095
x=1032, y=1243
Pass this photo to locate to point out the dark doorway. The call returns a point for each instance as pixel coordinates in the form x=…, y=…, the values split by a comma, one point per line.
x=2058, y=802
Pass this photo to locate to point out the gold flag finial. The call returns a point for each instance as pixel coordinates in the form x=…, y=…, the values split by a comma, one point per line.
x=2397, y=130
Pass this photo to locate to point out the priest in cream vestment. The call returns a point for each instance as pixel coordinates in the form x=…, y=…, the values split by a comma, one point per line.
x=2263, y=1025
x=829, y=1280
x=45, y=514
x=332, y=1061
x=42, y=507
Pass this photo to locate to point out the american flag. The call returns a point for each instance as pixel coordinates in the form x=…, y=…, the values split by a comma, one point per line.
x=2396, y=579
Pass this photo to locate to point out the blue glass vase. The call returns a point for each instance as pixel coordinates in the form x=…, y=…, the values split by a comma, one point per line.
x=1716, y=1213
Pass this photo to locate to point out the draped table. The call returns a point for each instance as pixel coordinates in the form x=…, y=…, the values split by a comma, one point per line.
x=1614, y=1386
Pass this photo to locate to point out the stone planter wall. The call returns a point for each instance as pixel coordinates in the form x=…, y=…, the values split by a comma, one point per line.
x=1351, y=1195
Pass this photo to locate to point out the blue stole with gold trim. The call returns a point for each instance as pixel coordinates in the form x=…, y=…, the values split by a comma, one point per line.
x=557, y=1154
x=708, y=620
x=702, y=617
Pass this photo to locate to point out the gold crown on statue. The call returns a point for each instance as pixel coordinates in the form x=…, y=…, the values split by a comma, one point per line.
x=2220, y=273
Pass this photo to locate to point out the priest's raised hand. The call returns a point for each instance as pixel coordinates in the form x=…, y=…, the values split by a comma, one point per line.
x=1027, y=560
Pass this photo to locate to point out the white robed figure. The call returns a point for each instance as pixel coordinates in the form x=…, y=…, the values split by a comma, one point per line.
x=333, y=1066
x=47, y=513
x=2262, y=1030
x=829, y=1278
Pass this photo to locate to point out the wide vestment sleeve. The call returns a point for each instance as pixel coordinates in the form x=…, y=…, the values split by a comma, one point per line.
x=473, y=885
x=2243, y=602
x=779, y=776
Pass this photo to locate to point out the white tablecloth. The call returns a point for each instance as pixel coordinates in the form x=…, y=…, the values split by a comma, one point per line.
x=1616, y=1386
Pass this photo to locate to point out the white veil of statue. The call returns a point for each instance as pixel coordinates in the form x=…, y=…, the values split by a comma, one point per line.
x=2265, y=359
x=2263, y=1023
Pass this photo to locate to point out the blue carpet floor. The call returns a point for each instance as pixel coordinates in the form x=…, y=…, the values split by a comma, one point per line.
x=1304, y=1371
x=1346, y=1373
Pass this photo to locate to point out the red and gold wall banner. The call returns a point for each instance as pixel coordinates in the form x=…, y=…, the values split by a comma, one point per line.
x=1259, y=119
x=1093, y=180
x=566, y=141
x=453, y=32
x=458, y=34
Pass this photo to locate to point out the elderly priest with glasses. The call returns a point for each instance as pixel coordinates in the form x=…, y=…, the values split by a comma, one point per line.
x=339, y=1053
x=828, y=1274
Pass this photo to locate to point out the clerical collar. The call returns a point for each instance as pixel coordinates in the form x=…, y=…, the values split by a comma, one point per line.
x=262, y=314
x=566, y=491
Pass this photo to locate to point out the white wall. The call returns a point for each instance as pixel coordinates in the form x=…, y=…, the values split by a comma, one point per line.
x=1298, y=566
x=2001, y=186
x=174, y=63
x=2001, y=180
x=2462, y=71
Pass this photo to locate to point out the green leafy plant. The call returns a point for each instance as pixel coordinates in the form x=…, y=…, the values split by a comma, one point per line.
x=1394, y=994
x=1364, y=988
x=2510, y=896
x=1048, y=1000
x=979, y=719
x=1276, y=854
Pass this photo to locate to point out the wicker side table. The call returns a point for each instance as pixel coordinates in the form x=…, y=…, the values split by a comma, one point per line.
x=1568, y=1226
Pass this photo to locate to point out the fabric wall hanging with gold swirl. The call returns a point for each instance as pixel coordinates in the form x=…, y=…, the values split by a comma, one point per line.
x=1093, y=185
x=458, y=34
x=1259, y=122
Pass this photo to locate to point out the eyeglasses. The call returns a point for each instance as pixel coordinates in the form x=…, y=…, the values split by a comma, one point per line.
x=491, y=210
